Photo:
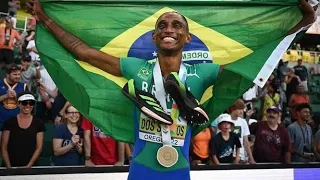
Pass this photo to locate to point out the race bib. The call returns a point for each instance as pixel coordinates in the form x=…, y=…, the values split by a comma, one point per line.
x=150, y=130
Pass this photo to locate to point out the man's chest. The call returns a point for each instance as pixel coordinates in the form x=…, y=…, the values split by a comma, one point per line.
x=270, y=137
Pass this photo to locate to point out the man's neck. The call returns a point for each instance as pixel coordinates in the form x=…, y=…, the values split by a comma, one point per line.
x=10, y=82
x=273, y=126
x=169, y=63
x=302, y=123
x=234, y=117
x=225, y=135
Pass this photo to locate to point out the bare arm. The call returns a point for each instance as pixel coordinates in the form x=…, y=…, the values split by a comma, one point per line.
x=4, y=148
x=38, y=75
x=58, y=150
x=291, y=101
x=53, y=93
x=38, y=150
x=246, y=145
x=128, y=150
x=308, y=16
x=215, y=160
x=121, y=153
x=87, y=147
x=103, y=61
x=287, y=157
x=237, y=159
x=3, y=97
x=57, y=120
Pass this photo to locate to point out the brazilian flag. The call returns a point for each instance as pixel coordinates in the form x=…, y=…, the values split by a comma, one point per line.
x=250, y=34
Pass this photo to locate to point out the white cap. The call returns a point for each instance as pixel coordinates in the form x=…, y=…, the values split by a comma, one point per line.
x=225, y=118
x=26, y=97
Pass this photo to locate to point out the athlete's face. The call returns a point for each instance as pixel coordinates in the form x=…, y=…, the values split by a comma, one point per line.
x=171, y=33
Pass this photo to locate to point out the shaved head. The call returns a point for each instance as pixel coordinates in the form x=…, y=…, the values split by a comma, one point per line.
x=175, y=12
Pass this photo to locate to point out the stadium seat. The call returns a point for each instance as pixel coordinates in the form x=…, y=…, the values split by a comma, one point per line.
x=47, y=150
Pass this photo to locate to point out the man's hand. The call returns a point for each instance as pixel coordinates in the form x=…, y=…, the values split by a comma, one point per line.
x=309, y=16
x=36, y=63
x=57, y=121
x=252, y=161
x=89, y=163
x=249, y=113
x=118, y=163
x=27, y=166
x=308, y=155
x=11, y=93
x=35, y=7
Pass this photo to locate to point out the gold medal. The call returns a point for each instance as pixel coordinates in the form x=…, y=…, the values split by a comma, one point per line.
x=167, y=156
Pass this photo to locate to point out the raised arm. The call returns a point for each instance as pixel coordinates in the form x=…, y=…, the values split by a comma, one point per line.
x=309, y=16
x=79, y=48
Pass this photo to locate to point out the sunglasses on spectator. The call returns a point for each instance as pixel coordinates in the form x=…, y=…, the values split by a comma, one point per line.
x=74, y=113
x=25, y=103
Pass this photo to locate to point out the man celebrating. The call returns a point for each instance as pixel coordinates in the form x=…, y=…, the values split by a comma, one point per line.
x=170, y=35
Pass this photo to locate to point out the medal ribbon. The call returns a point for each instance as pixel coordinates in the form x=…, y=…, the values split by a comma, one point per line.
x=161, y=97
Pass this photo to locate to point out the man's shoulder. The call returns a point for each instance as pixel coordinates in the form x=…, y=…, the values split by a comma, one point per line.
x=132, y=61
x=293, y=125
x=309, y=127
x=241, y=121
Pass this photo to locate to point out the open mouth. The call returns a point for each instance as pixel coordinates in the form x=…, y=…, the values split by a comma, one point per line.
x=168, y=39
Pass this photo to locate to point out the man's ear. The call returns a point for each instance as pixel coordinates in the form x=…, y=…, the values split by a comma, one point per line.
x=188, y=38
x=153, y=37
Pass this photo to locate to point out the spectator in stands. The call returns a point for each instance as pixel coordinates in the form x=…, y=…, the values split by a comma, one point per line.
x=272, y=98
x=31, y=48
x=31, y=23
x=315, y=69
x=272, y=142
x=68, y=140
x=301, y=135
x=25, y=38
x=48, y=92
x=299, y=97
x=14, y=5
x=7, y=40
x=302, y=72
x=241, y=129
x=316, y=143
x=29, y=73
x=223, y=144
x=292, y=82
x=9, y=88
x=248, y=115
x=262, y=92
x=22, y=138
x=99, y=148
x=200, y=150
x=283, y=71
